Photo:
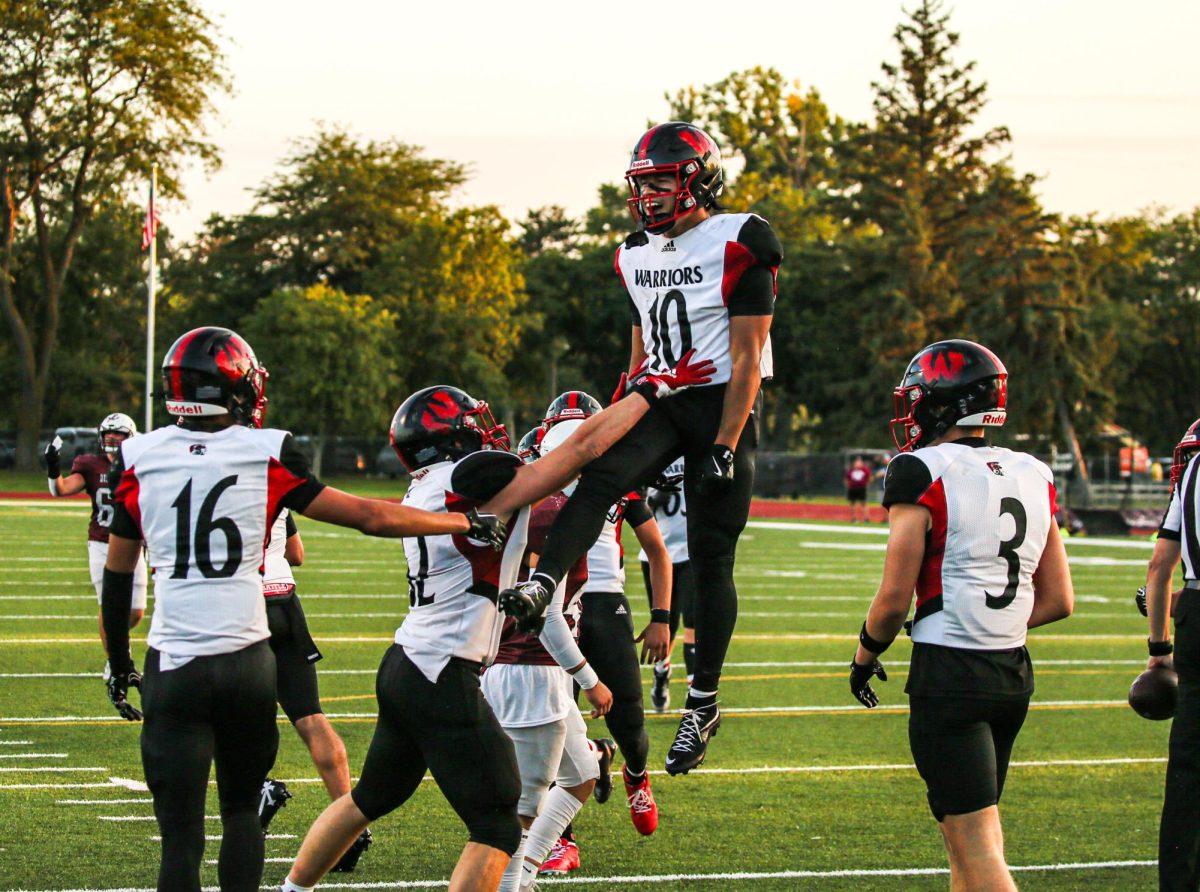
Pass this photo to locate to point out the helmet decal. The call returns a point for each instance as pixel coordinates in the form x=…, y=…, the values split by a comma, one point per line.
x=942, y=365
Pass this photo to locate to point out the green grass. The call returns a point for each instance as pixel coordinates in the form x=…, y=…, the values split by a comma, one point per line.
x=795, y=582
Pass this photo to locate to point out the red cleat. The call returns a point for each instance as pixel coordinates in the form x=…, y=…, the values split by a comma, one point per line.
x=643, y=810
x=564, y=857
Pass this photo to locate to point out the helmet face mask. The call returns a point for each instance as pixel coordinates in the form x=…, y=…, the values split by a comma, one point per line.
x=212, y=371
x=948, y=383
x=443, y=423
x=687, y=156
x=114, y=430
x=1187, y=446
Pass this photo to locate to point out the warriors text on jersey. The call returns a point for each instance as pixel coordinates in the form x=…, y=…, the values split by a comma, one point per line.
x=522, y=647
x=452, y=581
x=204, y=502
x=606, y=558
x=94, y=471
x=684, y=290
x=991, y=510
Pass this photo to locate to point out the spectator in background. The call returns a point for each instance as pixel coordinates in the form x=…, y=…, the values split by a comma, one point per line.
x=858, y=478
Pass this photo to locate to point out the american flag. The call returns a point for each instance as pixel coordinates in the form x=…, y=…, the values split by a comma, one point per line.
x=150, y=224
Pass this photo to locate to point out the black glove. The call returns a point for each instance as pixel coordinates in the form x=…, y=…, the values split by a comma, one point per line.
x=860, y=682
x=119, y=684
x=1140, y=600
x=53, y=467
x=526, y=604
x=716, y=471
x=486, y=528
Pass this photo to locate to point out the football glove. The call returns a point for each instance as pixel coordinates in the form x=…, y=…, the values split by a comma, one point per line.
x=1140, y=600
x=486, y=528
x=716, y=471
x=658, y=385
x=860, y=682
x=118, y=685
x=526, y=603
x=53, y=465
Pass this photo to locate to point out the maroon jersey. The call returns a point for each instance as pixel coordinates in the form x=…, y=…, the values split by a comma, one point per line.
x=94, y=470
x=858, y=478
x=521, y=647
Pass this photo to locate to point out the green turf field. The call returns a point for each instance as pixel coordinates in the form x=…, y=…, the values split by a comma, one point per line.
x=803, y=788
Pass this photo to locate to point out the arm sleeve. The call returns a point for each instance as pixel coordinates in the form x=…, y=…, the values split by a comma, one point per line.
x=289, y=526
x=1172, y=526
x=295, y=463
x=482, y=474
x=127, y=513
x=637, y=513
x=116, y=598
x=754, y=293
x=751, y=265
x=907, y=479
x=556, y=635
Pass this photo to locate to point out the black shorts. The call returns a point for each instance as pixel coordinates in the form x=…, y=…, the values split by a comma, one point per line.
x=296, y=657
x=856, y=495
x=961, y=747
x=448, y=728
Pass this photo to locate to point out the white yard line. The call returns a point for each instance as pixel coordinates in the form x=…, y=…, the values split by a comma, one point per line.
x=100, y=801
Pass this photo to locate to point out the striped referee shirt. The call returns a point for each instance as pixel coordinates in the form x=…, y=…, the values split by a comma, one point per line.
x=1182, y=520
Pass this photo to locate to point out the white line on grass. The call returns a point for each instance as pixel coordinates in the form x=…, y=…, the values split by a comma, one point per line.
x=25, y=768
x=686, y=877
x=33, y=755
x=16, y=742
x=125, y=818
x=101, y=801
x=217, y=838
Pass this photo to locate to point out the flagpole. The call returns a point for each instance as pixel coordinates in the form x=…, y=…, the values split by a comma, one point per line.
x=151, y=287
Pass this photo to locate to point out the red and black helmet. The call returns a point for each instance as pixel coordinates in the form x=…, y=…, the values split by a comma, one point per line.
x=572, y=405
x=1187, y=446
x=442, y=423
x=948, y=383
x=685, y=152
x=529, y=446
x=210, y=371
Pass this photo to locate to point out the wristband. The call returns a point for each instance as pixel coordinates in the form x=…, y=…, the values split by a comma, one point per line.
x=586, y=676
x=875, y=647
x=659, y=615
x=1160, y=648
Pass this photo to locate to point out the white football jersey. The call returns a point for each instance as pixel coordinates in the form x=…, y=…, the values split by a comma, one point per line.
x=1184, y=511
x=680, y=287
x=606, y=558
x=277, y=572
x=991, y=510
x=204, y=502
x=671, y=516
x=453, y=582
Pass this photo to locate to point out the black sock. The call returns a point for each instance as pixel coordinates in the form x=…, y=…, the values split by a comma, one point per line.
x=694, y=702
x=569, y=832
x=689, y=658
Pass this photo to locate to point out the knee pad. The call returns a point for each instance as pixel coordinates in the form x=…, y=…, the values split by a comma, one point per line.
x=497, y=828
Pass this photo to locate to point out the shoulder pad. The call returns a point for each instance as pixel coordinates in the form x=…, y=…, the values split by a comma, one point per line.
x=637, y=239
x=757, y=235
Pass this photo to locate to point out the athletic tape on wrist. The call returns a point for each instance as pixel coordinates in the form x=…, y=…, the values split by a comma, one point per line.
x=874, y=646
x=660, y=615
x=1160, y=648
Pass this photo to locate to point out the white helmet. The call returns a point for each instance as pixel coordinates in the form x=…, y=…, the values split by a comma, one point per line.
x=554, y=438
x=116, y=423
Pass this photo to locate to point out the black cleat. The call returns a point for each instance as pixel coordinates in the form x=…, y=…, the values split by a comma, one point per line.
x=606, y=749
x=691, y=740
x=273, y=797
x=349, y=861
x=660, y=693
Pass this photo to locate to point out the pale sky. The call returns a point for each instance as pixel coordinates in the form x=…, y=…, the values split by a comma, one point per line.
x=544, y=100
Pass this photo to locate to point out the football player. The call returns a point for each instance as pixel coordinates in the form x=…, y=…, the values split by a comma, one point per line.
x=296, y=656
x=696, y=280
x=1179, y=828
x=90, y=473
x=531, y=688
x=203, y=494
x=972, y=532
x=606, y=634
x=432, y=714
x=669, y=505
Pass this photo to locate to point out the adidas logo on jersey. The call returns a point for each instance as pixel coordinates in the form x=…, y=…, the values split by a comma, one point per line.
x=621, y=611
x=669, y=246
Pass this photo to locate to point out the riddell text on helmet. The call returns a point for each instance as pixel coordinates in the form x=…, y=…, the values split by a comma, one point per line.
x=184, y=408
x=998, y=418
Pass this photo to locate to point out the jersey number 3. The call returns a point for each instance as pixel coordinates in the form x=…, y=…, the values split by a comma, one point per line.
x=206, y=525
x=1008, y=551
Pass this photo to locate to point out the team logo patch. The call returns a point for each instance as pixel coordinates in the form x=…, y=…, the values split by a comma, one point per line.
x=994, y=467
x=197, y=449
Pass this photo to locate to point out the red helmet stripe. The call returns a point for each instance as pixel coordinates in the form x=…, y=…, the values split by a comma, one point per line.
x=176, y=374
x=693, y=140
x=643, y=145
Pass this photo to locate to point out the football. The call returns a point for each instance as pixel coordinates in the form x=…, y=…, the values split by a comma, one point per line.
x=1152, y=694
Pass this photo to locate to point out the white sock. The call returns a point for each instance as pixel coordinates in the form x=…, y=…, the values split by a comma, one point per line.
x=289, y=886
x=663, y=665
x=559, y=809
x=511, y=881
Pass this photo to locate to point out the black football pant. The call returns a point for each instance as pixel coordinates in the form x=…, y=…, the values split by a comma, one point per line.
x=606, y=640
x=220, y=707
x=1179, y=832
x=686, y=425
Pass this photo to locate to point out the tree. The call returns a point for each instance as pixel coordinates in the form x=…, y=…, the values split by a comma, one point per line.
x=90, y=95
x=326, y=218
x=330, y=360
